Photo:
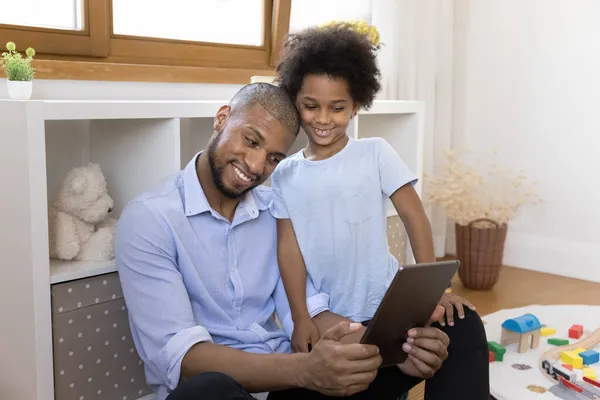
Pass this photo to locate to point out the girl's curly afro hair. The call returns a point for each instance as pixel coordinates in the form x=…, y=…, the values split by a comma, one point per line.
x=334, y=51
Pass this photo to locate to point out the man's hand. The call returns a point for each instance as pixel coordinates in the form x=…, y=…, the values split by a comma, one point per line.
x=427, y=349
x=449, y=301
x=305, y=334
x=336, y=369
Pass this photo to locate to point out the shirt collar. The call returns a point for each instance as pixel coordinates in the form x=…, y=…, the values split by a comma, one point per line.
x=195, y=199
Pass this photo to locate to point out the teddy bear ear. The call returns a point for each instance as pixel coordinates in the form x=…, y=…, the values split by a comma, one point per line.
x=78, y=184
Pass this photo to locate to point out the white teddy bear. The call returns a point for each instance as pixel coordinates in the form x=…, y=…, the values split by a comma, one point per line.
x=79, y=227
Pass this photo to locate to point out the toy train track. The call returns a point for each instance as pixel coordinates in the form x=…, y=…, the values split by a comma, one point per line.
x=590, y=341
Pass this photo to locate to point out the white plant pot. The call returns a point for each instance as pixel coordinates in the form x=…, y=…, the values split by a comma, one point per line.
x=19, y=90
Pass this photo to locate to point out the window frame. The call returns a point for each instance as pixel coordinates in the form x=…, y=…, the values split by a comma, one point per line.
x=96, y=53
x=91, y=41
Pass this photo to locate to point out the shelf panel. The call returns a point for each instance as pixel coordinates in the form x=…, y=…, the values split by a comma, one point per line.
x=63, y=271
x=110, y=109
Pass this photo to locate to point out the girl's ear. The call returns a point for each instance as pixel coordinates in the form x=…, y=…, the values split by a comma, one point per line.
x=355, y=108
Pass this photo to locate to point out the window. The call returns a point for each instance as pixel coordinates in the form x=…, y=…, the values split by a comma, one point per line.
x=56, y=14
x=192, y=20
x=185, y=40
x=57, y=27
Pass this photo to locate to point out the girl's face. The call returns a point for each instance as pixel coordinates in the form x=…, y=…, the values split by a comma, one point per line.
x=325, y=108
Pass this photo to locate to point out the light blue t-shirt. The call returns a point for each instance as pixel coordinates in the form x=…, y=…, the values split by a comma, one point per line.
x=338, y=209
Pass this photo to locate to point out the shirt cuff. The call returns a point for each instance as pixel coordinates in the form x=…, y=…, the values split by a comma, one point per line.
x=317, y=304
x=288, y=325
x=171, y=355
x=397, y=184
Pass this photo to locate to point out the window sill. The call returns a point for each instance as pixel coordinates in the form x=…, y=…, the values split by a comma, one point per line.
x=102, y=71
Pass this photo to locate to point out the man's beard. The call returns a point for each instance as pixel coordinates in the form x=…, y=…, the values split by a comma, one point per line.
x=217, y=170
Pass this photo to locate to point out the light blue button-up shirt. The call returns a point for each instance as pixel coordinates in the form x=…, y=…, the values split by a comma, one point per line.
x=190, y=276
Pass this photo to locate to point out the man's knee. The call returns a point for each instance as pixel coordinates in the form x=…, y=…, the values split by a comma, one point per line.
x=214, y=379
x=209, y=385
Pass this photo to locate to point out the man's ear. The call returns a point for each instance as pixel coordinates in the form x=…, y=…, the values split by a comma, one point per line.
x=221, y=117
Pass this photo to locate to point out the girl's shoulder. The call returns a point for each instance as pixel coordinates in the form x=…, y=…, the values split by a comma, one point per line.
x=369, y=146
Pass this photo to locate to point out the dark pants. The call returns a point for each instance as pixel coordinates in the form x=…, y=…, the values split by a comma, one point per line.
x=464, y=375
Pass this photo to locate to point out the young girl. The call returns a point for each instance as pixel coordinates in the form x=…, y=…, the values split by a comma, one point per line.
x=330, y=197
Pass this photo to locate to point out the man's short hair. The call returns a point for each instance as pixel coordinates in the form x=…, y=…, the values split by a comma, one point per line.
x=273, y=99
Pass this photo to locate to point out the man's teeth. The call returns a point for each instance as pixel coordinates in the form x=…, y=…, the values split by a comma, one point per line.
x=241, y=174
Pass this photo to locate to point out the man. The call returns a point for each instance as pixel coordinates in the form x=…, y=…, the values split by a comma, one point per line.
x=198, y=266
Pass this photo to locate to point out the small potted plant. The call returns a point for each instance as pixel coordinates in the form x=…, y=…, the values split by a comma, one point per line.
x=481, y=204
x=19, y=72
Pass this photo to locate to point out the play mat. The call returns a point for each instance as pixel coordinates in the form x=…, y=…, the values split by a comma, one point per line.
x=523, y=376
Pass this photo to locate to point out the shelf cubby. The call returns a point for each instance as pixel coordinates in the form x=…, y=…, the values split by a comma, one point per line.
x=137, y=144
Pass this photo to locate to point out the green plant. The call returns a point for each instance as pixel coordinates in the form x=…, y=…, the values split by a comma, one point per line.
x=16, y=67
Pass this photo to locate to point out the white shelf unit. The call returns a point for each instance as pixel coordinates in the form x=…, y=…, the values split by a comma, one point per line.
x=137, y=144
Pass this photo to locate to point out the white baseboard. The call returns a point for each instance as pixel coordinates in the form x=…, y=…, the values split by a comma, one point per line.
x=439, y=245
x=554, y=256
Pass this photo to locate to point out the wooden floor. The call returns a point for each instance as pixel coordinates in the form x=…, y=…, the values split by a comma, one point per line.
x=518, y=288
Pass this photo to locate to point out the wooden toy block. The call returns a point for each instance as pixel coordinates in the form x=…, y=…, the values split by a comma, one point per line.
x=558, y=342
x=496, y=347
x=524, y=330
x=567, y=366
x=589, y=373
x=571, y=358
x=580, y=350
x=548, y=331
x=491, y=356
x=498, y=350
x=575, y=331
x=590, y=357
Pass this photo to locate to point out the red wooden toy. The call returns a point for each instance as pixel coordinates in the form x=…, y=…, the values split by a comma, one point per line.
x=576, y=331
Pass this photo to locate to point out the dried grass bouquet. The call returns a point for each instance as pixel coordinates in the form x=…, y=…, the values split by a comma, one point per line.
x=467, y=192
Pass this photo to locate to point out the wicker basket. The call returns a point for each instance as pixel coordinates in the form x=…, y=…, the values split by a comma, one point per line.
x=480, y=251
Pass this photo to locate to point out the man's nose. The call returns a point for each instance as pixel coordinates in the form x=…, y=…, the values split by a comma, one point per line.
x=256, y=162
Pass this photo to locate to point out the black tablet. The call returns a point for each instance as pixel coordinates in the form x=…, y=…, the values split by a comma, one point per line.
x=410, y=300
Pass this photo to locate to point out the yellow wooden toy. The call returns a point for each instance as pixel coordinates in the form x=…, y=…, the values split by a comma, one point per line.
x=572, y=358
x=589, y=373
x=548, y=331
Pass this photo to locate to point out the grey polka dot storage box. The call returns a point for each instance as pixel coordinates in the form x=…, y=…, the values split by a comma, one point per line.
x=94, y=354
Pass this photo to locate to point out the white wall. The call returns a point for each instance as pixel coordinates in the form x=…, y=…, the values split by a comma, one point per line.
x=527, y=81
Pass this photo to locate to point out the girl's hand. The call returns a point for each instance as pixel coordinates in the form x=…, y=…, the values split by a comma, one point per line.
x=305, y=334
x=449, y=301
